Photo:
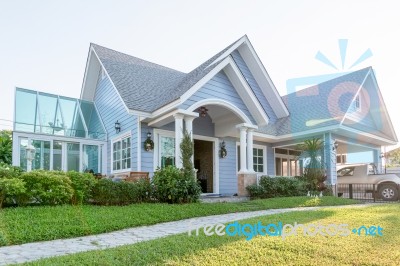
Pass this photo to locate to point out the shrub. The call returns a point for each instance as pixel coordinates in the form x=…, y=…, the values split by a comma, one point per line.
x=47, y=187
x=11, y=189
x=174, y=186
x=9, y=171
x=108, y=192
x=83, y=185
x=270, y=187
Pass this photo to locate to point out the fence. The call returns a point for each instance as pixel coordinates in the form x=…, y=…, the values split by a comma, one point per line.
x=369, y=192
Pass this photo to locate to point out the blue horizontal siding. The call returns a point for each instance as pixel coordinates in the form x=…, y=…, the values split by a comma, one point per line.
x=147, y=156
x=219, y=87
x=227, y=169
x=111, y=109
x=254, y=85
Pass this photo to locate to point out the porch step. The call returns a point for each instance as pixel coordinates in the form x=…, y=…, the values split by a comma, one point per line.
x=213, y=198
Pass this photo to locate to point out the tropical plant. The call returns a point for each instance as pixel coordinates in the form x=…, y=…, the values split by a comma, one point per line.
x=6, y=146
x=314, y=171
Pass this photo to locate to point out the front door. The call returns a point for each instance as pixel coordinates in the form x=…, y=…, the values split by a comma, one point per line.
x=204, y=163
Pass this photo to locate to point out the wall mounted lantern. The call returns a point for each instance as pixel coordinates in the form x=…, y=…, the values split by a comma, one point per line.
x=222, y=152
x=117, y=127
x=148, y=143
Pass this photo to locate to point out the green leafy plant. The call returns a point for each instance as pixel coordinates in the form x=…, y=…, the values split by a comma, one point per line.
x=280, y=186
x=6, y=146
x=9, y=171
x=172, y=185
x=83, y=185
x=11, y=189
x=109, y=192
x=47, y=188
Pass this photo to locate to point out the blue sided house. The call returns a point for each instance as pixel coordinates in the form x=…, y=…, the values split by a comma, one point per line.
x=132, y=114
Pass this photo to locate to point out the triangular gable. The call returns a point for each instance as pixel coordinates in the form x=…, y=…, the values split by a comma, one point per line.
x=250, y=57
x=367, y=111
x=239, y=83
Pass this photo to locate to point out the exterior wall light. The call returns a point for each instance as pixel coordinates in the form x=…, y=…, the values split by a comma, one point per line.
x=117, y=127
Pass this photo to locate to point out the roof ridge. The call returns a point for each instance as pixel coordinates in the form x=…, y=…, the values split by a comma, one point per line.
x=329, y=80
x=125, y=54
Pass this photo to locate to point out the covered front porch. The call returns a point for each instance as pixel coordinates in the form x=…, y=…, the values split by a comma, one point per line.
x=216, y=127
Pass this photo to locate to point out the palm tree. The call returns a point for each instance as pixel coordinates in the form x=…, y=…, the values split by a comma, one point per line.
x=314, y=172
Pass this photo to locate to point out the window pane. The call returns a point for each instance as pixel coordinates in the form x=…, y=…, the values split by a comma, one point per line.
x=91, y=158
x=284, y=167
x=57, y=155
x=25, y=110
x=73, y=157
x=260, y=169
x=47, y=112
x=23, y=143
x=42, y=155
x=278, y=167
x=167, y=151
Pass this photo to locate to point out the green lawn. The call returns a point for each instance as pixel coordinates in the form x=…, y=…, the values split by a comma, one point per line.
x=30, y=224
x=265, y=250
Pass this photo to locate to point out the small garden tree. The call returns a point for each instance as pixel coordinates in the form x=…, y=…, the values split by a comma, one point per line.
x=314, y=171
x=6, y=146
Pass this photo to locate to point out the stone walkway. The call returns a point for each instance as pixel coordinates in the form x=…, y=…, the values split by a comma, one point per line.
x=38, y=250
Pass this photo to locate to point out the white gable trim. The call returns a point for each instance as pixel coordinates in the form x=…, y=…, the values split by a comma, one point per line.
x=355, y=97
x=249, y=55
x=394, y=135
x=109, y=78
x=262, y=77
x=239, y=83
x=223, y=103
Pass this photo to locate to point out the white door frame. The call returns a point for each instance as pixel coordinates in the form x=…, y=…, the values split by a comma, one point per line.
x=161, y=132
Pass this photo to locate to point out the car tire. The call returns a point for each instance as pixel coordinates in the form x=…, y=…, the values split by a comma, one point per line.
x=388, y=192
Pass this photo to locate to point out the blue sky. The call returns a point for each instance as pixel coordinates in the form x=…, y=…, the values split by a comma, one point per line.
x=44, y=44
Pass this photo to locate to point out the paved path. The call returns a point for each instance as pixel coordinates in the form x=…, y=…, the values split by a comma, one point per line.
x=39, y=250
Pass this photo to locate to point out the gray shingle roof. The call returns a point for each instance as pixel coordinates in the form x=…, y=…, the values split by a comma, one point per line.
x=318, y=106
x=145, y=86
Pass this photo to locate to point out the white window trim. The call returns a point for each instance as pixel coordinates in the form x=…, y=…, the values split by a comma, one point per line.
x=120, y=137
x=255, y=146
x=43, y=137
x=157, y=155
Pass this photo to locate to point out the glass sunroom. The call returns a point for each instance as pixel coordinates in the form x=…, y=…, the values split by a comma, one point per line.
x=64, y=133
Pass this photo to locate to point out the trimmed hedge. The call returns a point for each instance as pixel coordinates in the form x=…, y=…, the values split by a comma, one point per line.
x=280, y=186
x=109, y=192
x=46, y=188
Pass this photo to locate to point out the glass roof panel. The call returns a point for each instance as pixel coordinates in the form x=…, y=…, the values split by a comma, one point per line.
x=47, y=113
x=25, y=110
x=56, y=115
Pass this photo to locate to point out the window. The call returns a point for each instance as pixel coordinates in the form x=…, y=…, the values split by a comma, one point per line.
x=348, y=171
x=287, y=162
x=122, y=154
x=357, y=103
x=258, y=160
x=259, y=154
x=167, y=151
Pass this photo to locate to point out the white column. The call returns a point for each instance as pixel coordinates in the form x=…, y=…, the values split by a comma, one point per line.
x=243, y=158
x=189, y=125
x=189, y=129
x=178, y=139
x=250, y=150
